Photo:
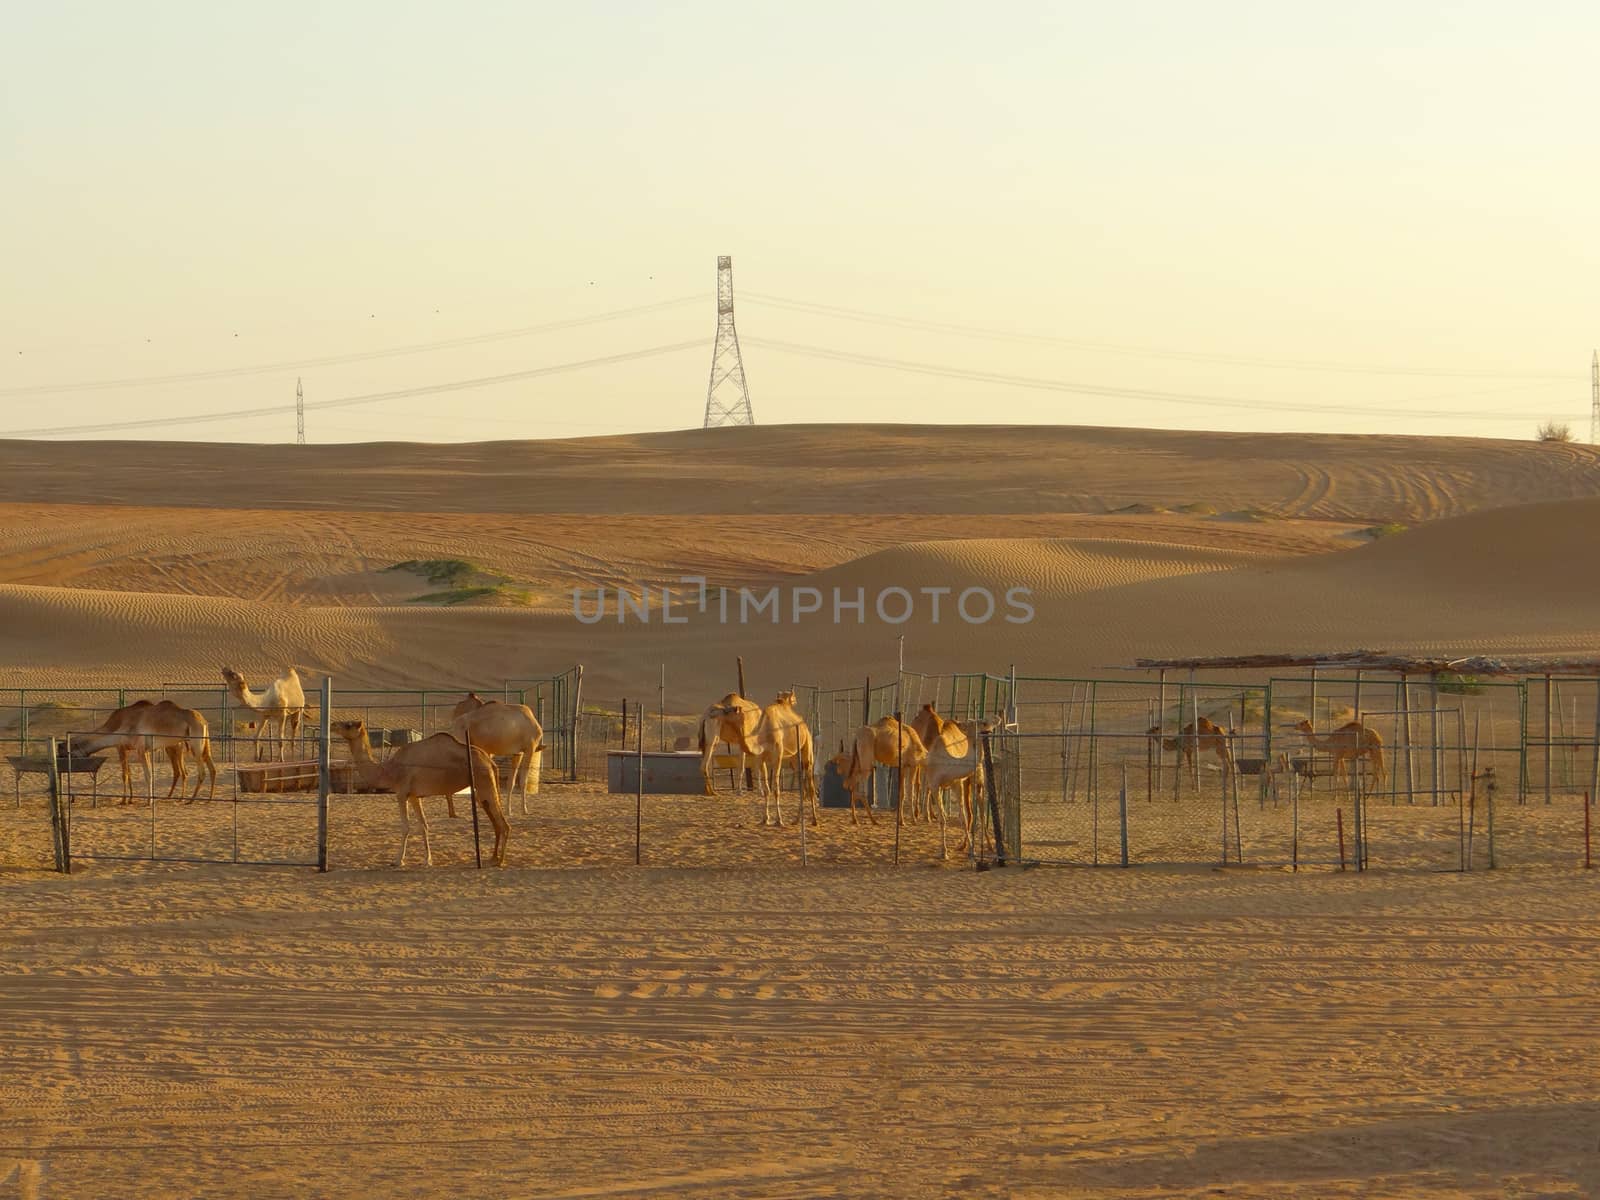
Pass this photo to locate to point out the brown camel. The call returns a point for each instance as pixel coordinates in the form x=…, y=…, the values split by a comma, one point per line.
x=732, y=720
x=142, y=726
x=889, y=743
x=1212, y=738
x=504, y=729
x=783, y=734
x=1348, y=744
x=283, y=701
x=435, y=766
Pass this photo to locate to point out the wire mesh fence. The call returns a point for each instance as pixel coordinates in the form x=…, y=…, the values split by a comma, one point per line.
x=1440, y=774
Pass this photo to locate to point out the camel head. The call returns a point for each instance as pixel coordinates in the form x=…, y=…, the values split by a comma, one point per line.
x=232, y=678
x=350, y=731
x=1304, y=727
x=786, y=698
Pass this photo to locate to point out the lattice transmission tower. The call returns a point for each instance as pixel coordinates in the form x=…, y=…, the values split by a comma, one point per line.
x=1594, y=399
x=727, y=397
x=299, y=414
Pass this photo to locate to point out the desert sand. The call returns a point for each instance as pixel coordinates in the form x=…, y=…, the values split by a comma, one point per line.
x=720, y=1021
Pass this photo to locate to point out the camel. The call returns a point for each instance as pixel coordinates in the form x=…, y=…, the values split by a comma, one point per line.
x=886, y=742
x=783, y=734
x=283, y=701
x=142, y=726
x=466, y=704
x=953, y=761
x=501, y=729
x=435, y=766
x=1212, y=737
x=732, y=720
x=1348, y=744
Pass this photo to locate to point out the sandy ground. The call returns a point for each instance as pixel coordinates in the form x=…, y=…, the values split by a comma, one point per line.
x=718, y=1021
x=621, y=1031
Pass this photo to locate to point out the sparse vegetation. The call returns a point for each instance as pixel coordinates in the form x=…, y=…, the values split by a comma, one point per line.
x=1252, y=514
x=1198, y=508
x=1388, y=529
x=1555, y=431
x=1140, y=508
x=451, y=572
x=463, y=583
x=1460, y=685
x=496, y=592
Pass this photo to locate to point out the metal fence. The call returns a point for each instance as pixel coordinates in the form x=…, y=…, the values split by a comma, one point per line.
x=1467, y=774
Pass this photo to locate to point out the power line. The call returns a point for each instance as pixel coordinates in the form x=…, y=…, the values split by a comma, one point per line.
x=854, y=314
x=433, y=389
x=1086, y=389
x=329, y=360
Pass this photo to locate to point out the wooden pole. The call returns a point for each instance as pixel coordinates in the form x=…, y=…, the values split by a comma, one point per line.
x=472, y=793
x=866, y=719
x=740, y=661
x=624, y=723
x=1338, y=814
x=661, y=707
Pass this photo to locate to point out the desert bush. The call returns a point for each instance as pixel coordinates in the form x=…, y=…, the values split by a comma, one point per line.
x=1555, y=431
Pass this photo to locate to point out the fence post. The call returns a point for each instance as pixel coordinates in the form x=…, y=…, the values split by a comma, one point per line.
x=58, y=828
x=573, y=710
x=994, y=800
x=1122, y=804
x=324, y=772
x=638, y=797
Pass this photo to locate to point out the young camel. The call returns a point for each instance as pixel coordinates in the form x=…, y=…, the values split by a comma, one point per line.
x=435, y=766
x=889, y=743
x=783, y=734
x=1212, y=737
x=283, y=701
x=1348, y=745
x=142, y=726
x=501, y=729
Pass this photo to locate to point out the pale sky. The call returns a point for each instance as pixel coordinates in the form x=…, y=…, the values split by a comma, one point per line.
x=1220, y=189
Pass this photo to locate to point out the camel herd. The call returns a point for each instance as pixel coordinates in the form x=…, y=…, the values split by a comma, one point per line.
x=931, y=754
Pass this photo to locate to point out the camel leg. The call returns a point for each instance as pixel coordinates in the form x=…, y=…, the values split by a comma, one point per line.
x=502, y=827
x=405, y=831
x=517, y=761
x=427, y=842
x=944, y=848
x=179, y=773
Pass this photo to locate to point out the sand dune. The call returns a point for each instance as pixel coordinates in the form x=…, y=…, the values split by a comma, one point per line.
x=1505, y=582
x=823, y=469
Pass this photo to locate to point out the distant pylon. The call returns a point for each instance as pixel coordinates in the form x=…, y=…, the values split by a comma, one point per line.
x=299, y=414
x=1594, y=399
x=727, y=397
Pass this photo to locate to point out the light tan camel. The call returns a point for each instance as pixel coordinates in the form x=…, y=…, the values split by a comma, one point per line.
x=1212, y=739
x=435, y=766
x=284, y=701
x=1348, y=744
x=954, y=760
x=782, y=735
x=498, y=728
x=466, y=704
x=886, y=742
x=142, y=726
x=732, y=720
